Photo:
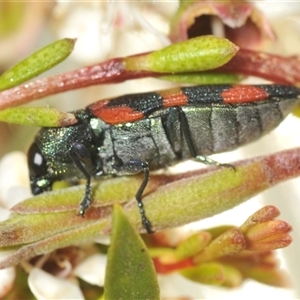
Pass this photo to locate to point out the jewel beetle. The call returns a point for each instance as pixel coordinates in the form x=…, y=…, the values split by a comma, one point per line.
x=142, y=132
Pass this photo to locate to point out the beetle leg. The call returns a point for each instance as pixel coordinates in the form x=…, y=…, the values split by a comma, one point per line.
x=134, y=166
x=208, y=161
x=83, y=161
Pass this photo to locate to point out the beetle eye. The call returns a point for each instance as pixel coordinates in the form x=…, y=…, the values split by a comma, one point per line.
x=36, y=162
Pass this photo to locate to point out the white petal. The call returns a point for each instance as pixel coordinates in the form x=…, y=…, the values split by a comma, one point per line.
x=103, y=239
x=91, y=24
x=92, y=269
x=17, y=194
x=7, y=276
x=45, y=286
x=4, y=214
x=13, y=173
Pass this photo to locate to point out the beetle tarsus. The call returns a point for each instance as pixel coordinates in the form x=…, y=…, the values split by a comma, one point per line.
x=231, y=166
x=87, y=199
x=208, y=161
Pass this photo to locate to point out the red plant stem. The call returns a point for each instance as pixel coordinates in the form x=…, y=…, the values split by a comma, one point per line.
x=268, y=66
x=283, y=165
x=111, y=71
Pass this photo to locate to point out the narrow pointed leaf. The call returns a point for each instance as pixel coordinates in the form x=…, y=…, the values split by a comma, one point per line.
x=192, y=245
x=24, y=229
x=59, y=240
x=233, y=276
x=269, y=276
x=264, y=214
x=269, y=235
x=230, y=242
x=105, y=192
x=209, y=273
x=130, y=272
x=198, y=54
x=37, y=63
x=37, y=116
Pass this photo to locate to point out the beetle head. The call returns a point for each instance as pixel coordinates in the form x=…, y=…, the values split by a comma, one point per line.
x=40, y=179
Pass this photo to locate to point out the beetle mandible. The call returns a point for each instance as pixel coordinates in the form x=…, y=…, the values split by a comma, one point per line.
x=142, y=132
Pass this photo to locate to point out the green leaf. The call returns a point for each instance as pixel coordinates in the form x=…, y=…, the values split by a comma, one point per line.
x=37, y=227
x=230, y=242
x=209, y=273
x=203, y=78
x=267, y=275
x=105, y=193
x=197, y=54
x=50, y=221
x=37, y=116
x=130, y=272
x=37, y=63
x=192, y=245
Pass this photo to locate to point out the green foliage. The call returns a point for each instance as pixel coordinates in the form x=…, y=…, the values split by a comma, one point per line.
x=37, y=116
x=197, y=54
x=130, y=272
x=37, y=63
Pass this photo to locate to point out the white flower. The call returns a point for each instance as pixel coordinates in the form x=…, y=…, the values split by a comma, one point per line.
x=46, y=286
x=92, y=269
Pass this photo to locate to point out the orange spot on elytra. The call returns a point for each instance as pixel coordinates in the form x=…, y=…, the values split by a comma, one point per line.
x=115, y=115
x=244, y=93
